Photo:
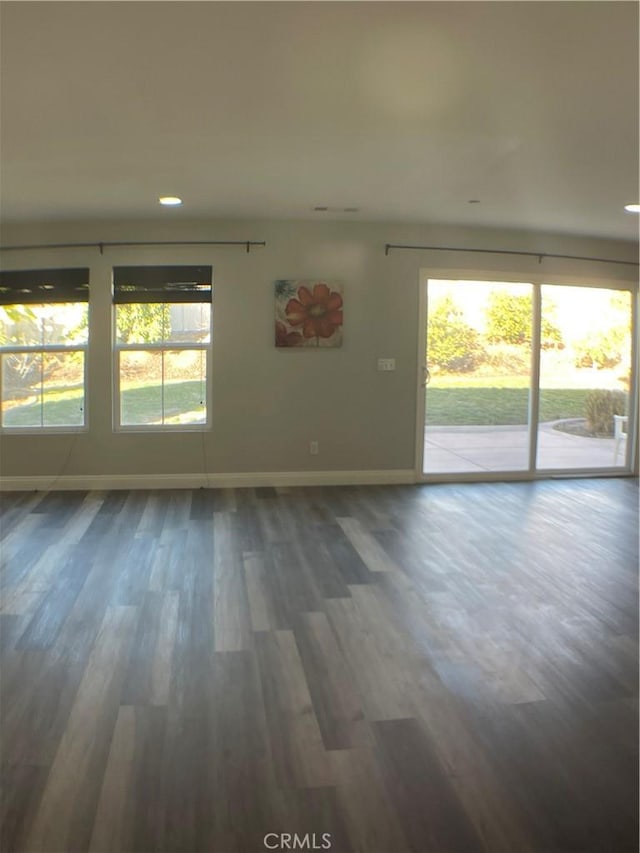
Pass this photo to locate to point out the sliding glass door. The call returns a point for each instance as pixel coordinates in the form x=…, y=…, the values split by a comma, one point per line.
x=585, y=378
x=478, y=357
x=524, y=378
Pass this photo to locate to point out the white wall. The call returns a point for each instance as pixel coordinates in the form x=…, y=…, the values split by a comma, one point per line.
x=268, y=403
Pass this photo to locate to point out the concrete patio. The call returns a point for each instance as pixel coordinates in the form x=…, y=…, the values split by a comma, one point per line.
x=468, y=449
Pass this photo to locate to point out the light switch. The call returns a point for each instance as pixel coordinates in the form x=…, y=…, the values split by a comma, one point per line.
x=385, y=364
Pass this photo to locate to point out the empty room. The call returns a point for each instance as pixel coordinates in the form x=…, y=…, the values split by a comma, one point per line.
x=318, y=427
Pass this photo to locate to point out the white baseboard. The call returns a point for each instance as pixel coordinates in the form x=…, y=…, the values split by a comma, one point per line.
x=101, y=482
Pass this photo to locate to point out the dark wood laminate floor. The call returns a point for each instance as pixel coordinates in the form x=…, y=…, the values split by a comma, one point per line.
x=430, y=669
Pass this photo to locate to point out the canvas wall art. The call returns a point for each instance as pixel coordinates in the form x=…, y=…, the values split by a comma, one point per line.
x=308, y=313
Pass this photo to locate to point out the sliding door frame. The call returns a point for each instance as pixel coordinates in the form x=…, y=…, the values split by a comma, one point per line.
x=532, y=472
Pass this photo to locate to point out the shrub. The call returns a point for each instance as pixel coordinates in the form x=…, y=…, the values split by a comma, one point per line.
x=509, y=358
x=601, y=406
x=452, y=344
x=603, y=350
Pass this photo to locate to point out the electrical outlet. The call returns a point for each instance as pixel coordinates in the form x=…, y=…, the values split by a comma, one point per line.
x=385, y=364
x=314, y=448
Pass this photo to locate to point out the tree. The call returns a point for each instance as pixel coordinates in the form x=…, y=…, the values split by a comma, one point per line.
x=32, y=326
x=143, y=322
x=452, y=343
x=609, y=344
x=510, y=320
x=19, y=325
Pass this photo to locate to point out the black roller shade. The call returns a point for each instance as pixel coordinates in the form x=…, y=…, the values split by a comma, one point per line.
x=161, y=284
x=33, y=287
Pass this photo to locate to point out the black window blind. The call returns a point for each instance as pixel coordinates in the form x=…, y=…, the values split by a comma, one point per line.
x=34, y=287
x=162, y=284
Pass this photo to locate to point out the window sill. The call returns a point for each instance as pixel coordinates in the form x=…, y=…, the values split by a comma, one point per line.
x=6, y=430
x=161, y=429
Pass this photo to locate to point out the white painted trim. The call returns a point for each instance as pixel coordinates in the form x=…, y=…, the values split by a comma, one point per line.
x=421, y=388
x=211, y=481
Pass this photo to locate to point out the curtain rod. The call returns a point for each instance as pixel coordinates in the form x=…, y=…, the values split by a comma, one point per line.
x=538, y=255
x=102, y=245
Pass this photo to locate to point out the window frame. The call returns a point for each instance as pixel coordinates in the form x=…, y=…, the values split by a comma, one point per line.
x=162, y=347
x=60, y=291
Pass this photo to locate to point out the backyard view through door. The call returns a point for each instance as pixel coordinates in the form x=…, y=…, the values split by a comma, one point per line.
x=482, y=368
x=585, y=381
x=479, y=361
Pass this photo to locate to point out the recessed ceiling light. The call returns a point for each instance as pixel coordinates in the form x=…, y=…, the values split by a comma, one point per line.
x=319, y=208
x=170, y=200
x=474, y=201
x=632, y=208
x=350, y=209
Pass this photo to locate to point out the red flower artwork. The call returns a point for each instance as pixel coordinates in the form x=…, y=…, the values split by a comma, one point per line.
x=308, y=313
x=287, y=339
x=318, y=312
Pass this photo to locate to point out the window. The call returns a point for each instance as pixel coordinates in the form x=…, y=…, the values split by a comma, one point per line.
x=162, y=344
x=44, y=323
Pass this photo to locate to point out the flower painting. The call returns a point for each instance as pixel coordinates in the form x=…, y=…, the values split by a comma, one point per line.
x=308, y=313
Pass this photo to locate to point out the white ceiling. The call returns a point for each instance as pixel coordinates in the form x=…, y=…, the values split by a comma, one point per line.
x=404, y=110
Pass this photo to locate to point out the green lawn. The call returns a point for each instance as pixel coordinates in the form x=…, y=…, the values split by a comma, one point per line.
x=61, y=408
x=183, y=403
x=487, y=406
x=140, y=404
x=445, y=406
